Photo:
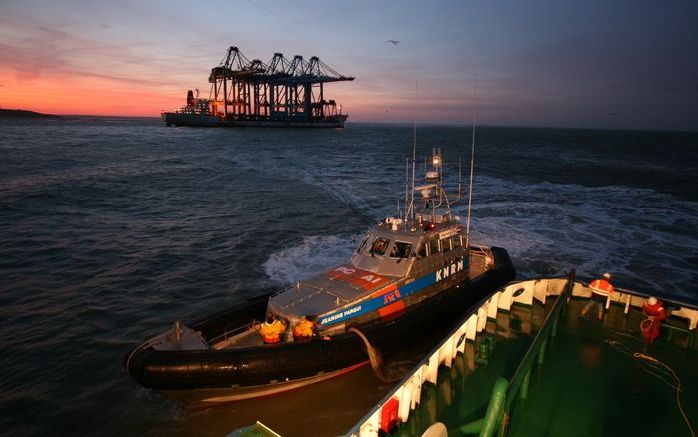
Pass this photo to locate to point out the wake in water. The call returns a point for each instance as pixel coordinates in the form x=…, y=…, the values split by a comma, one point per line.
x=640, y=235
x=112, y=229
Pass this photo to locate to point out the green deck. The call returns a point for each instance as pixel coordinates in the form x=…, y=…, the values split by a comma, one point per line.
x=589, y=382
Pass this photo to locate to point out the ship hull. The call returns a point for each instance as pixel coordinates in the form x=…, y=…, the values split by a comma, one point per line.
x=207, y=120
x=192, y=120
x=333, y=122
x=255, y=371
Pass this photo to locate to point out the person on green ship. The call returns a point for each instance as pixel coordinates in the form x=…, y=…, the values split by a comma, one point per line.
x=651, y=326
x=601, y=290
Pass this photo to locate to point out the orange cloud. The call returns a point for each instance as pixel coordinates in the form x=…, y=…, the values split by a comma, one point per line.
x=89, y=95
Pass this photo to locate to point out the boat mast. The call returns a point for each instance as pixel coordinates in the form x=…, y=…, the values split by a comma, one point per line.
x=414, y=150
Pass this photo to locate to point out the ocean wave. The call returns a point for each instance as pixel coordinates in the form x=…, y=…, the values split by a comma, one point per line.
x=312, y=255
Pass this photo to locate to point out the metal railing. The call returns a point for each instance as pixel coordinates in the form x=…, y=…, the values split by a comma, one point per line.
x=505, y=393
x=408, y=390
x=230, y=333
x=316, y=291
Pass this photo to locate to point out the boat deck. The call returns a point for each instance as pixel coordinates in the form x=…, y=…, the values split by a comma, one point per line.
x=589, y=382
x=328, y=289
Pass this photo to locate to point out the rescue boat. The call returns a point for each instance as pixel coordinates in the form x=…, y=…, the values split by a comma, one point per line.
x=412, y=275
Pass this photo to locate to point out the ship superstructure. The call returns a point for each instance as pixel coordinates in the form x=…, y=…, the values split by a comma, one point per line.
x=400, y=262
x=197, y=112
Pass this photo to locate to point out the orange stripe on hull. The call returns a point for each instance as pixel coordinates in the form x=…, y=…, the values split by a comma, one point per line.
x=392, y=308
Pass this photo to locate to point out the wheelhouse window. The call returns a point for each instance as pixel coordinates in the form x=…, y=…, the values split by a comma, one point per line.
x=379, y=246
x=422, y=251
x=363, y=245
x=434, y=246
x=456, y=241
x=401, y=250
x=446, y=245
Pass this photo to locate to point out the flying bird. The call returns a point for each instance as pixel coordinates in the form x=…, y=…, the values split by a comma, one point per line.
x=393, y=42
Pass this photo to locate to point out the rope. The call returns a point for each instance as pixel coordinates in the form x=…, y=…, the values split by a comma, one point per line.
x=639, y=355
x=648, y=363
x=644, y=326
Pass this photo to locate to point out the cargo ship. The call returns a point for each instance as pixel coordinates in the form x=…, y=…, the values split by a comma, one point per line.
x=196, y=113
x=279, y=93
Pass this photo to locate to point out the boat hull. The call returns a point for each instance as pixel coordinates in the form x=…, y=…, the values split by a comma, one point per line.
x=208, y=120
x=193, y=120
x=334, y=122
x=258, y=369
x=202, y=397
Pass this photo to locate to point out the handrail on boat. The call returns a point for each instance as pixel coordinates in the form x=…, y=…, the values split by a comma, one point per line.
x=318, y=290
x=539, y=344
x=504, y=392
x=479, y=250
x=230, y=333
x=621, y=292
x=408, y=391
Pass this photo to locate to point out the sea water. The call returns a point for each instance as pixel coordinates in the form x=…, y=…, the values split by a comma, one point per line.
x=111, y=229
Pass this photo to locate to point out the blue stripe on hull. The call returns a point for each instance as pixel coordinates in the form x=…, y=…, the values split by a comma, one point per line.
x=404, y=291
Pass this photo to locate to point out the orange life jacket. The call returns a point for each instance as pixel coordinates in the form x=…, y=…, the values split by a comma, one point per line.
x=271, y=332
x=657, y=310
x=602, y=287
x=304, y=328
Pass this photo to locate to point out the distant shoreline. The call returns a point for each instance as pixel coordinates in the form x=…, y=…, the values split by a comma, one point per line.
x=21, y=113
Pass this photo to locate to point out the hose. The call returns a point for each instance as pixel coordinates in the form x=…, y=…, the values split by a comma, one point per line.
x=374, y=356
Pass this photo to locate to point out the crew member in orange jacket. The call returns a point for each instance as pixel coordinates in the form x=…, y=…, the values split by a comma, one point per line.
x=305, y=328
x=271, y=329
x=651, y=326
x=601, y=290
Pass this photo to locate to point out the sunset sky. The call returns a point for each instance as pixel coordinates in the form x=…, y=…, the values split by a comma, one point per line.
x=607, y=64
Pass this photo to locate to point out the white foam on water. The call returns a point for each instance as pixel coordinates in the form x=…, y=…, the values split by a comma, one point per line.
x=338, y=188
x=313, y=255
x=643, y=237
x=340, y=184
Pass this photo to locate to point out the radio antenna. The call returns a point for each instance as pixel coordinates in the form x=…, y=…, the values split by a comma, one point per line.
x=406, y=195
x=414, y=147
x=470, y=188
x=472, y=165
x=459, y=178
